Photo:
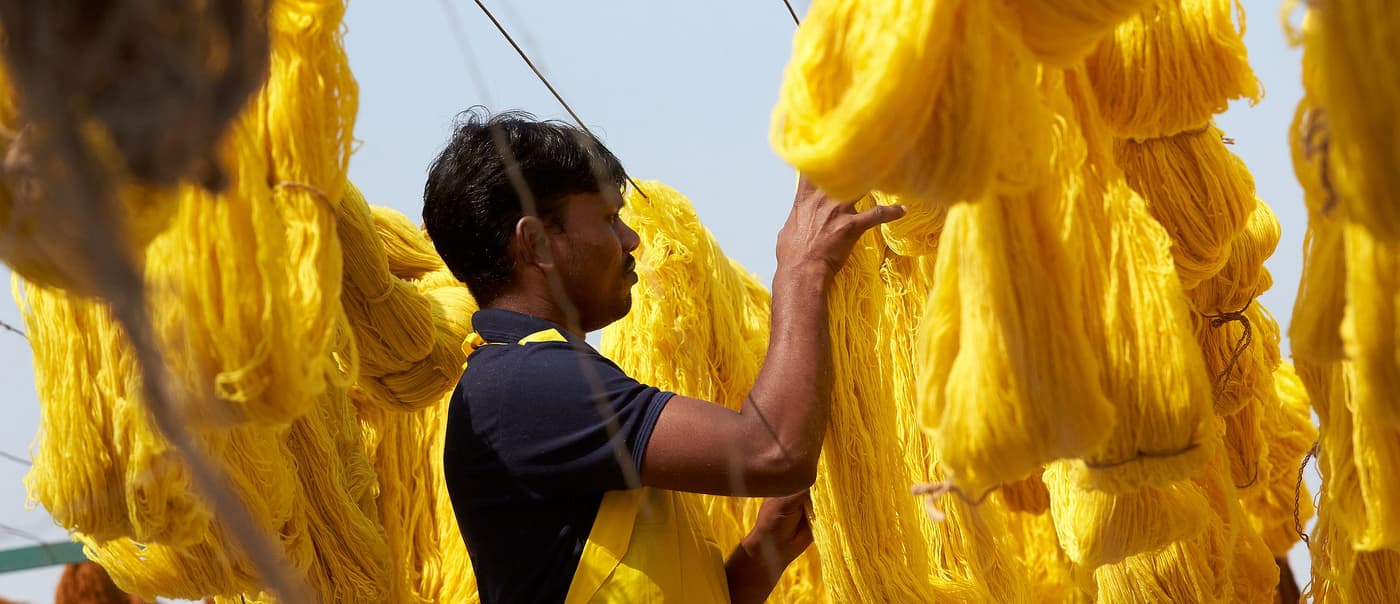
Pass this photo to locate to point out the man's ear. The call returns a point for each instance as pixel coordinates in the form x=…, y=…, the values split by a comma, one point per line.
x=533, y=242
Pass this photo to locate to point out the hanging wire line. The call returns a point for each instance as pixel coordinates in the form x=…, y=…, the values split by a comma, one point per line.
x=15, y=458
x=791, y=11
x=10, y=328
x=464, y=45
x=543, y=80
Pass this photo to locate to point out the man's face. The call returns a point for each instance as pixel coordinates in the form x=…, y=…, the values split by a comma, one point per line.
x=594, y=256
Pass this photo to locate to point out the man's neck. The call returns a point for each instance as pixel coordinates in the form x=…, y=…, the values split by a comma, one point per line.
x=538, y=306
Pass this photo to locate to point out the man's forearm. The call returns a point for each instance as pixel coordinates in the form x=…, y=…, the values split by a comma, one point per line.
x=792, y=393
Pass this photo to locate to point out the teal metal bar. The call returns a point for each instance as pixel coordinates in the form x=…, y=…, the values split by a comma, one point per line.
x=39, y=556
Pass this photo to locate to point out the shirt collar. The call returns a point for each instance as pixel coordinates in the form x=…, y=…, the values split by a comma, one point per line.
x=502, y=326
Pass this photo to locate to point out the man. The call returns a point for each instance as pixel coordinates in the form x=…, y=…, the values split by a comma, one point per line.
x=563, y=471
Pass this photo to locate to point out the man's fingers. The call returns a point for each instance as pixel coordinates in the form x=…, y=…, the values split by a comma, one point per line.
x=876, y=216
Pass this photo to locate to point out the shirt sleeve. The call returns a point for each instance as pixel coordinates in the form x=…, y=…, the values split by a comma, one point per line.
x=570, y=424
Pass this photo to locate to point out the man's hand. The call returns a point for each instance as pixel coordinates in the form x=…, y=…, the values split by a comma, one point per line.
x=822, y=232
x=781, y=534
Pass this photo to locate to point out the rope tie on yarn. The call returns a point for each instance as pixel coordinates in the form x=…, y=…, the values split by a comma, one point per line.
x=313, y=190
x=1246, y=338
x=1316, y=141
x=1254, y=476
x=1141, y=455
x=932, y=492
x=1298, y=493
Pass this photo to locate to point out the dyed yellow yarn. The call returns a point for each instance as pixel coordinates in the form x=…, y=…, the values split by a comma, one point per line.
x=393, y=322
x=917, y=233
x=406, y=362
x=1097, y=528
x=1243, y=277
x=1172, y=67
x=1200, y=192
x=1227, y=562
x=698, y=326
x=1152, y=372
x=1342, y=572
x=992, y=331
x=1028, y=495
x=1315, y=330
x=1355, y=44
x=311, y=510
x=862, y=487
x=1052, y=575
x=966, y=555
x=954, y=71
x=1290, y=434
x=1371, y=325
x=1152, y=368
x=1343, y=575
x=1062, y=32
x=427, y=557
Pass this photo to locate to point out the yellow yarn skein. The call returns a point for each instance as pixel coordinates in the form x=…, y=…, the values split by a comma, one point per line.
x=1243, y=277
x=1315, y=330
x=955, y=71
x=1290, y=430
x=1200, y=192
x=966, y=556
x=1355, y=44
x=984, y=334
x=1062, y=32
x=1172, y=67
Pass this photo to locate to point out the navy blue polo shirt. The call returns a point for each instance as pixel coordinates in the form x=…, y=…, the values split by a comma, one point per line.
x=527, y=455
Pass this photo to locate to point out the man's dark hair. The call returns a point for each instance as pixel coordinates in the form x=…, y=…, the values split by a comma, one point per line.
x=470, y=205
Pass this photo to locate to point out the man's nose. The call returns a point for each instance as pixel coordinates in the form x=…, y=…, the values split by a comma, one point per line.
x=630, y=238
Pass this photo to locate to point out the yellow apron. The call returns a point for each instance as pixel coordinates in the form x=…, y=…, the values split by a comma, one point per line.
x=646, y=545
x=649, y=545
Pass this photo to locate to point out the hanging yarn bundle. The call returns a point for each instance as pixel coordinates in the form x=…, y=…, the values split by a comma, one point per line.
x=1243, y=277
x=1007, y=377
x=1053, y=577
x=1133, y=493
x=968, y=560
x=311, y=510
x=407, y=361
x=955, y=72
x=917, y=232
x=1315, y=330
x=1291, y=433
x=1342, y=571
x=1226, y=562
x=1358, y=82
x=427, y=559
x=1173, y=66
x=1347, y=246
x=1062, y=32
x=862, y=487
x=698, y=326
x=1258, y=359
x=1199, y=191
x=1371, y=325
x=393, y=322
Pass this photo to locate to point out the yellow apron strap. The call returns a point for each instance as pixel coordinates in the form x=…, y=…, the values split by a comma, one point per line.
x=544, y=335
x=475, y=341
x=607, y=544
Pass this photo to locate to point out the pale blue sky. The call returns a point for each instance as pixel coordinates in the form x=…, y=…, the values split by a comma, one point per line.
x=680, y=91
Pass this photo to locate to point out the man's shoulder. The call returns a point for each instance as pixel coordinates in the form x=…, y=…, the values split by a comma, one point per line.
x=546, y=366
